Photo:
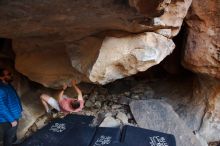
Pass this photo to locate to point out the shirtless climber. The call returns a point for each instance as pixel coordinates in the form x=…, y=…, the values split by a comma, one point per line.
x=64, y=104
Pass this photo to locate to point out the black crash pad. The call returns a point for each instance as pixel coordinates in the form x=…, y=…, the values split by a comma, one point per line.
x=59, y=132
x=106, y=136
x=78, y=119
x=49, y=135
x=134, y=136
x=78, y=136
x=118, y=144
x=75, y=130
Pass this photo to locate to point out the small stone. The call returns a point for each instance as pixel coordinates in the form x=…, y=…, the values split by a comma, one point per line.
x=93, y=96
x=110, y=104
x=109, y=97
x=92, y=99
x=105, y=107
x=114, y=98
x=101, y=97
x=110, y=122
x=89, y=113
x=88, y=104
x=122, y=117
x=127, y=94
x=108, y=115
x=135, y=96
x=124, y=100
x=116, y=106
x=98, y=104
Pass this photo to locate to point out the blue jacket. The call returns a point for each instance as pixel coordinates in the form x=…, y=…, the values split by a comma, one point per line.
x=10, y=104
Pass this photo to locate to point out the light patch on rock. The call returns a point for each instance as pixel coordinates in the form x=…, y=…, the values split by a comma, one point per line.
x=110, y=122
x=173, y=16
x=116, y=106
x=122, y=117
x=164, y=32
x=210, y=32
x=158, y=22
x=121, y=57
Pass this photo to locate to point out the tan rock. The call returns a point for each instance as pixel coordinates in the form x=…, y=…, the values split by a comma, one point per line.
x=210, y=125
x=146, y=7
x=173, y=16
x=121, y=57
x=50, y=67
x=56, y=41
x=202, y=53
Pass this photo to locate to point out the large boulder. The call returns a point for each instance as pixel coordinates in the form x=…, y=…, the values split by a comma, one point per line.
x=202, y=51
x=121, y=57
x=182, y=95
x=55, y=41
x=160, y=116
x=195, y=100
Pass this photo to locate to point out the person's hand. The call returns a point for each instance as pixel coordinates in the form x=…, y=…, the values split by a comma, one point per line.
x=64, y=86
x=74, y=82
x=81, y=105
x=13, y=124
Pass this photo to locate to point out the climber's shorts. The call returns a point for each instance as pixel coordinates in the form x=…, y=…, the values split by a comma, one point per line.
x=52, y=102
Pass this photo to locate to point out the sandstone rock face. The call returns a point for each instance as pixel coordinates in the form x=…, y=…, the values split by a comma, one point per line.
x=32, y=106
x=121, y=57
x=48, y=67
x=55, y=41
x=182, y=95
x=196, y=101
x=210, y=125
x=174, y=12
x=158, y=115
x=202, y=54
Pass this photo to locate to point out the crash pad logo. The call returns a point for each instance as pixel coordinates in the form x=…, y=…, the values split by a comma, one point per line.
x=103, y=140
x=58, y=127
x=158, y=141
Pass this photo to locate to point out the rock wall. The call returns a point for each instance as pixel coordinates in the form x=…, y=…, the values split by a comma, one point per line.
x=55, y=41
x=202, y=53
x=100, y=41
x=209, y=88
x=160, y=116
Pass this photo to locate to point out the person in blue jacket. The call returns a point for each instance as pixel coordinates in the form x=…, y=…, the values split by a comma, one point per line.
x=10, y=108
